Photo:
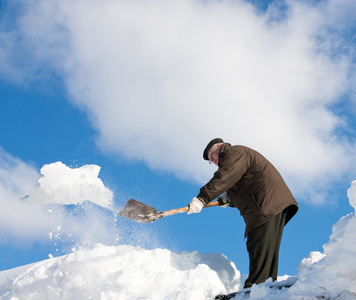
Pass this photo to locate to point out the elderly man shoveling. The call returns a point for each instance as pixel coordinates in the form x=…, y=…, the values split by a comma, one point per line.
x=248, y=181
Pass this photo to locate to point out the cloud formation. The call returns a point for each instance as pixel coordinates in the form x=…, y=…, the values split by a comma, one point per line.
x=159, y=79
x=18, y=221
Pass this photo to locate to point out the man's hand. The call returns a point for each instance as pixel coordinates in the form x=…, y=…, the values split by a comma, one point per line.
x=224, y=200
x=195, y=206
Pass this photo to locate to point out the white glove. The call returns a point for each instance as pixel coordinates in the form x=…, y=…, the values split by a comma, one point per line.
x=224, y=200
x=195, y=206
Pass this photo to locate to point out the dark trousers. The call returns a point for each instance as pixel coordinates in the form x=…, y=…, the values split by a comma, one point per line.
x=263, y=248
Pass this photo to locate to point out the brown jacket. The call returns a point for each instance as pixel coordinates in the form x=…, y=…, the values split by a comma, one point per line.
x=253, y=185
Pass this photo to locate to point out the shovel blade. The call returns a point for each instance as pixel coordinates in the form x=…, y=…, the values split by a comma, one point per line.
x=139, y=212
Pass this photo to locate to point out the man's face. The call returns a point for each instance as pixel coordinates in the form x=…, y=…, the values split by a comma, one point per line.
x=213, y=154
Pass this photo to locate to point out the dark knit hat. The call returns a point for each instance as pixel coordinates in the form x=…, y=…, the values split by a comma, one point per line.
x=212, y=142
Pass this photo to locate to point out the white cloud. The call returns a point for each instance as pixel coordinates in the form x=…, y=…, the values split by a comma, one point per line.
x=19, y=221
x=159, y=79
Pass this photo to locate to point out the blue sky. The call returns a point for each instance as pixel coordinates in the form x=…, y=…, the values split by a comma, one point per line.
x=140, y=88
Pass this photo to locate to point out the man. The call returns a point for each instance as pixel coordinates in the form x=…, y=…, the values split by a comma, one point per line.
x=248, y=181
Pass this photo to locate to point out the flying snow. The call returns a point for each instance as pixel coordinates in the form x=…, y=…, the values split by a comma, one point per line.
x=60, y=184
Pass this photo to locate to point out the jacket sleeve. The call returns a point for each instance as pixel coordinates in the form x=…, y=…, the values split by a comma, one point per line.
x=232, y=166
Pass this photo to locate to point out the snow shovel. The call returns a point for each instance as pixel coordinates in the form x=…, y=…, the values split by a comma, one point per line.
x=143, y=213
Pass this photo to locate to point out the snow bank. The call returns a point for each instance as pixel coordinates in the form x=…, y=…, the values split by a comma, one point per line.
x=63, y=185
x=124, y=272
x=333, y=273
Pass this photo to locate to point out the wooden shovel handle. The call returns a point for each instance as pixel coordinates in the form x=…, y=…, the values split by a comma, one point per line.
x=183, y=209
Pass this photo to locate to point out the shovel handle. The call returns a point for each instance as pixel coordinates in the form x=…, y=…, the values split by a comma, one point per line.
x=183, y=209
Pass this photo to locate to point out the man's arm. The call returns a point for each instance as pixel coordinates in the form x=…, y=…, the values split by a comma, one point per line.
x=232, y=167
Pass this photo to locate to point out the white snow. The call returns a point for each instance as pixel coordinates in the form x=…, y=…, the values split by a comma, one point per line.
x=128, y=272
x=63, y=185
x=125, y=272
x=332, y=273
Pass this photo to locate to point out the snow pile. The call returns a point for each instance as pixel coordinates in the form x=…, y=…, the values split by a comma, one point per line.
x=333, y=274
x=124, y=272
x=63, y=185
x=312, y=258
